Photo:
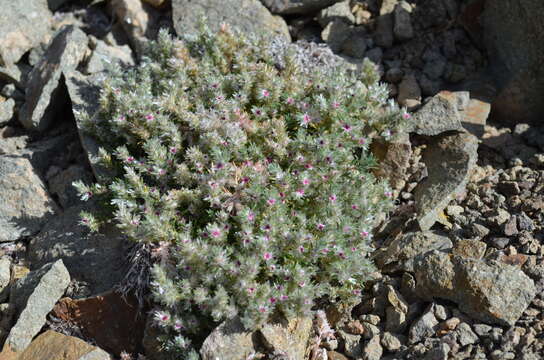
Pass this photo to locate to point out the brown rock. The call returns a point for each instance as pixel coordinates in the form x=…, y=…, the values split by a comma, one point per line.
x=474, y=116
x=52, y=345
x=394, y=159
x=110, y=320
x=355, y=327
x=333, y=355
x=514, y=259
x=470, y=249
x=447, y=326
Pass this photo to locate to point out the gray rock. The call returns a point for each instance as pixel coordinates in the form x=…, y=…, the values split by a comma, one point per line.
x=409, y=92
x=44, y=97
x=482, y=329
x=34, y=297
x=23, y=25
x=438, y=115
x=525, y=223
x=356, y=43
x=230, y=339
x=11, y=74
x=5, y=277
x=246, y=15
x=339, y=11
x=399, y=255
x=489, y=291
x=104, y=53
x=84, y=92
x=25, y=204
x=287, y=337
x=297, y=6
x=394, y=75
x=441, y=312
x=352, y=344
x=438, y=352
x=11, y=91
x=402, y=27
x=391, y=342
x=395, y=320
x=61, y=185
x=450, y=160
x=465, y=334
x=96, y=259
x=375, y=55
x=512, y=31
x=370, y=330
x=372, y=350
x=335, y=34
x=6, y=111
x=383, y=36
x=423, y=327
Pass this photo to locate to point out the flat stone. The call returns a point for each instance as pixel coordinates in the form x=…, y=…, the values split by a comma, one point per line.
x=23, y=25
x=7, y=108
x=34, y=297
x=113, y=322
x=52, y=345
x=399, y=255
x=391, y=342
x=450, y=160
x=95, y=259
x=423, y=327
x=25, y=205
x=372, y=350
x=438, y=115
x=352, y=344
x=394, y=157
x=245, y=15
x=103, y=54
x=474, y=116
x=409, y=92
x=489, y=291
x=339, y=11
x=465, y=334
x=230, y=339
x=297, y=6
x=470, y=249
x=44, y=94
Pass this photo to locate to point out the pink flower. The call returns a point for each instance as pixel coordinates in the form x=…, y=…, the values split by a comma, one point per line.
x=216, y=233
x=301, y=249
x=271, y=201
x=245, y=180
x=272, y=300
x=122, y=118
x=258, y=112
x=346, y=128
x=284, y=297
x=265, y=93
x=309, y=166
x=325, y=251
x=320, y=226
x=364, y=233
x=306, y=119
x=332, y=198
x=302, y=284
x=357, y=292
x=335, y=105
x=251, y=216
x=354, y=207
x=406, y=116
x=130, y=159
x=299, y=193
x=173, y=150
x=290, y=101
x=362, y=141
x=262, y=309
x=388, y=194
x=149, y=117
x=135, y=222
x=250, y=290
x=267, y=256
x=305, y=181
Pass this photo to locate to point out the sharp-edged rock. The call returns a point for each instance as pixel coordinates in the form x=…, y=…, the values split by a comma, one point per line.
x=34, y=297
x=394, y=157
x=23, y=25
x=246, y=15
x=106, y=54
x=438, y=115
x=25, y=205
x=400, y=253
x=230, y=339
x=44, y=94
x=423, y=327
x=339, y=11
x=53, y=345
x=289, y=337
x=489, y=291
x=95, y=259
x=297, y=6
x=6, y=111
x=450, y=160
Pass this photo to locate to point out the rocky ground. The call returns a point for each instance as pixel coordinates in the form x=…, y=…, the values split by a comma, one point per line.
x=461, y=258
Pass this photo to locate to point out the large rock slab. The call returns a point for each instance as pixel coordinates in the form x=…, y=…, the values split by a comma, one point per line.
x=246, y=15
x=438, y=115
x=400, y=253
x=450, y=160
x=489, y=291
x=44, y=93
x=113, y=322
x=94, y=259
x=297, y=6
x=513, y=34
x=231, y=341
x=24, y=24
x=34, y=297
x=25, y=204
x=52, y=345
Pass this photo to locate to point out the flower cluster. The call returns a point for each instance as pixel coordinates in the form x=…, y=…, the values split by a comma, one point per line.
x=251, y=163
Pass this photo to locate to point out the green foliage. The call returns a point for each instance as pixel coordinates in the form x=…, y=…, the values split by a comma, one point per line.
x=247, y=163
